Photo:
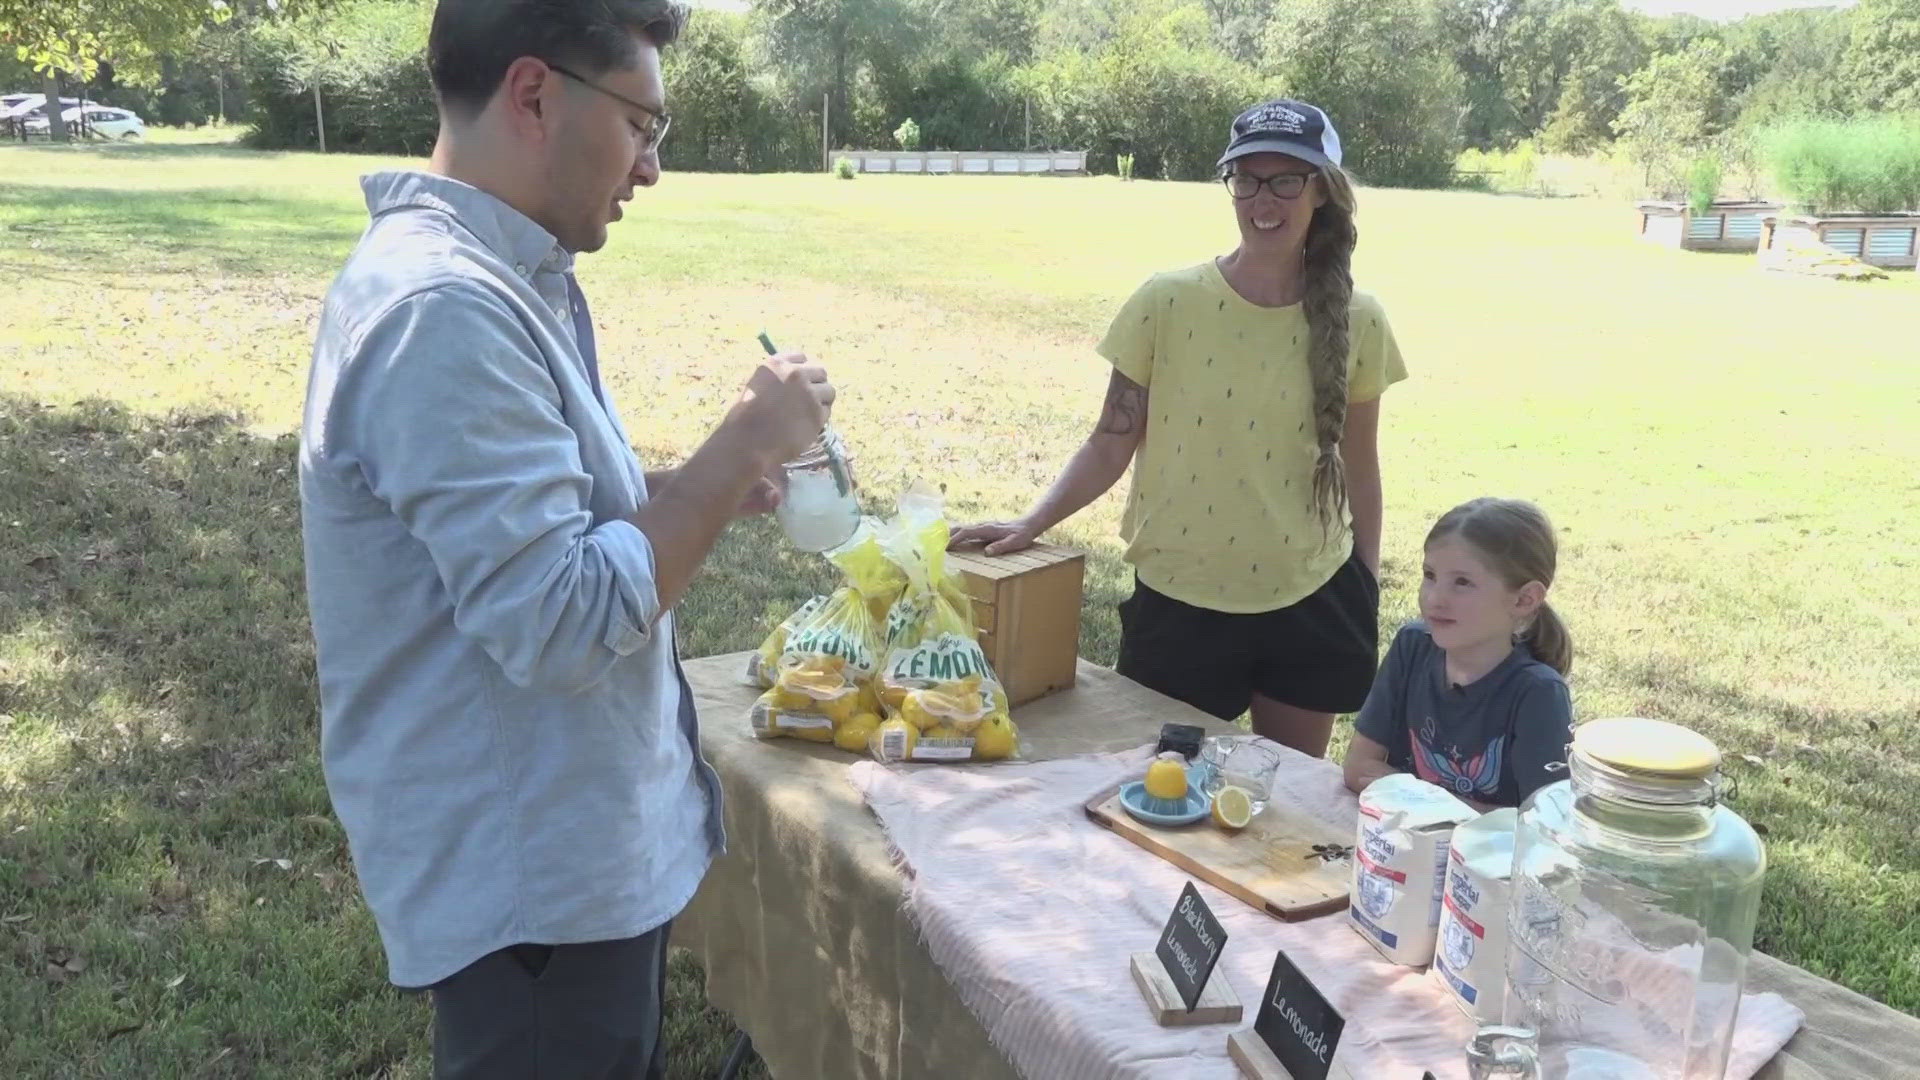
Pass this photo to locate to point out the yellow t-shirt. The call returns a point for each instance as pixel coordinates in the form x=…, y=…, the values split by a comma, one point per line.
x=1221, y=512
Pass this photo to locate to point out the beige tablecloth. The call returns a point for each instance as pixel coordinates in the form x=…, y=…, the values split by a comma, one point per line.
x=806, y=942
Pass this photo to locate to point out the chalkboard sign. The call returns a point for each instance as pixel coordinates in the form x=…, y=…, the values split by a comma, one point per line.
x=1296, y=1023
x=1190, y=945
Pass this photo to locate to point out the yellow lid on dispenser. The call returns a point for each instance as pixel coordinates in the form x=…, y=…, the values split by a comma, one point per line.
x=1654, y=748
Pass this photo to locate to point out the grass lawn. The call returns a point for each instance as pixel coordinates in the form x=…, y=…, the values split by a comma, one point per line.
x=1729, y=456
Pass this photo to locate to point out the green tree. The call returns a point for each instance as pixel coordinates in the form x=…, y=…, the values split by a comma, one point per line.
x=1474, y=32
x=367, y=59
x=839, y=47
x=1378, y=71
x=1792, y=62
x=1670, y=115
x=1608, y=49
x=72, y=37
x=1882, y=64
x=1159, y=88
x=709, y=94
x=1238, y=26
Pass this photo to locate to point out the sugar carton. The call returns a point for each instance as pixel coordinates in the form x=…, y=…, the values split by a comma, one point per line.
x=1471, y=959
x=1400, y=865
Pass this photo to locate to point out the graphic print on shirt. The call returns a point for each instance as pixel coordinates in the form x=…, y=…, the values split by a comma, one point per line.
x=1478, y=775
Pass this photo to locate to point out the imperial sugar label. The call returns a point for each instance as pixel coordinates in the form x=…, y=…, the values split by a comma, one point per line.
x=1400, y=865
x=1471, y=958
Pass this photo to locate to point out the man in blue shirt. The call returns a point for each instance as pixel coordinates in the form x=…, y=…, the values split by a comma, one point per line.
x=505, y=730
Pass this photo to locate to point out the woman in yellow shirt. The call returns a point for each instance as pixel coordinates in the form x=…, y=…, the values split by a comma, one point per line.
x=1245, y=393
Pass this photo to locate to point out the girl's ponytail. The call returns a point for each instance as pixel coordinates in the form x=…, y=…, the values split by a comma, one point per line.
x=1547, y=638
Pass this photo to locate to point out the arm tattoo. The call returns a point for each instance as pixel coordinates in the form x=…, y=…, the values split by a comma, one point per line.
x=1126, y=404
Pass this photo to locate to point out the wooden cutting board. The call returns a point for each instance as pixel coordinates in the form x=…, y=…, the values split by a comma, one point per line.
x=1270, y=864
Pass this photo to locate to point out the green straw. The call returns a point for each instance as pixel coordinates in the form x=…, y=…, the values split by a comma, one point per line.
x=841, y=478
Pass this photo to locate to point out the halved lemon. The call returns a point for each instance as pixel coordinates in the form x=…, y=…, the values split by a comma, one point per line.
x=1232, y=808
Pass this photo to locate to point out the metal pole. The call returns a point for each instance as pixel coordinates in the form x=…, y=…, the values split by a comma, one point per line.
x=319, y=116
x=1029, y=144
x=826, y=151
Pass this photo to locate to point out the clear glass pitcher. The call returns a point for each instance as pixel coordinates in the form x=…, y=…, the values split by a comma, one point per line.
x=819, y=507
x=1635, y=891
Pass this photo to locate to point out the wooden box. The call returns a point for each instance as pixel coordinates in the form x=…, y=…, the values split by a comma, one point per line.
x=1027, y=608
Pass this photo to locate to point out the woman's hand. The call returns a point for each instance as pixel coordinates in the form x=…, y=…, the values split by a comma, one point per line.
x=997, y=537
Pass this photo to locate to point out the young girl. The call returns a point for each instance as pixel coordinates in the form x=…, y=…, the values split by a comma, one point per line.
x=1245, y=394
x=1473, y=695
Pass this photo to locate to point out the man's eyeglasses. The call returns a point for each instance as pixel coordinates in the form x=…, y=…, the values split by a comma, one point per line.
x=1283, y=185
x=652, y=133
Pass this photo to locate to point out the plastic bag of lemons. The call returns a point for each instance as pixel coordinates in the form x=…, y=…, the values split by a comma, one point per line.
x=942, y=699
x=819, y=665
x=763, y=664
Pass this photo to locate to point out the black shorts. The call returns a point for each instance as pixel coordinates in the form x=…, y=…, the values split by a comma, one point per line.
x=1319, y=654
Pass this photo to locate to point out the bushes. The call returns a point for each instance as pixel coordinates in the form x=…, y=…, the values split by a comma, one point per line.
x=725, y=118
x=1703, y=182
x=368, y=58
x=1871, y=164
x=1516, y=170
x=1153, y=84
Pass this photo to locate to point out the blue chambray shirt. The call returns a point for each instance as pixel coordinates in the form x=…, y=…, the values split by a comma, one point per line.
x=505, y=732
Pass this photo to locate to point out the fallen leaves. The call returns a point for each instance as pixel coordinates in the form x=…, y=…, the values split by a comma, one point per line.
x=64, y=963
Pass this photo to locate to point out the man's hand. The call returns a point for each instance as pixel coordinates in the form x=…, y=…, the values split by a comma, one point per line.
x=780, y=413
x=763, y=498
x=784, y=407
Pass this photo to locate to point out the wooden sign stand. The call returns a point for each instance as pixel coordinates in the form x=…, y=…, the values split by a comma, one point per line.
x=1218, y=1003
x=1249, y=1052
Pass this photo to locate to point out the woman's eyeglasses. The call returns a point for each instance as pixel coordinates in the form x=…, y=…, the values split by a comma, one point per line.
x=1283, y=185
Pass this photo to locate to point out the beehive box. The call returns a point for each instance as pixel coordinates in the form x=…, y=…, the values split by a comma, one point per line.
x=1027, y=608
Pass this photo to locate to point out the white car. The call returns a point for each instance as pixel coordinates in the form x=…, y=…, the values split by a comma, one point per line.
x=102, y=122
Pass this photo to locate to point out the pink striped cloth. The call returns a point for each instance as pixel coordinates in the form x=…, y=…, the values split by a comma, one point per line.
x=1032, y=912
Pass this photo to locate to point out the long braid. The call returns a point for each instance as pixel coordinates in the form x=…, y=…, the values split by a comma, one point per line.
x=1326, y=301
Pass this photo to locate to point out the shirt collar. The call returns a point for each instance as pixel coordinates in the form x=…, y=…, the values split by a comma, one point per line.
x=1478, y=687
x=512, y=235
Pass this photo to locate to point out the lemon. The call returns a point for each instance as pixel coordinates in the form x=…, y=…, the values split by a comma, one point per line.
x=914, y=711
x=995, y=739
x=943, y=731
x=842, y=708
x=852, y=736
x=1167, y=776
x=1232, y=808
x=787, y=700
x=894, y=740
x=894, y=697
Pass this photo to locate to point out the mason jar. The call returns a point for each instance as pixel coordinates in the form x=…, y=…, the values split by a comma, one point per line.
x=1634, y=895
x=818, y=508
